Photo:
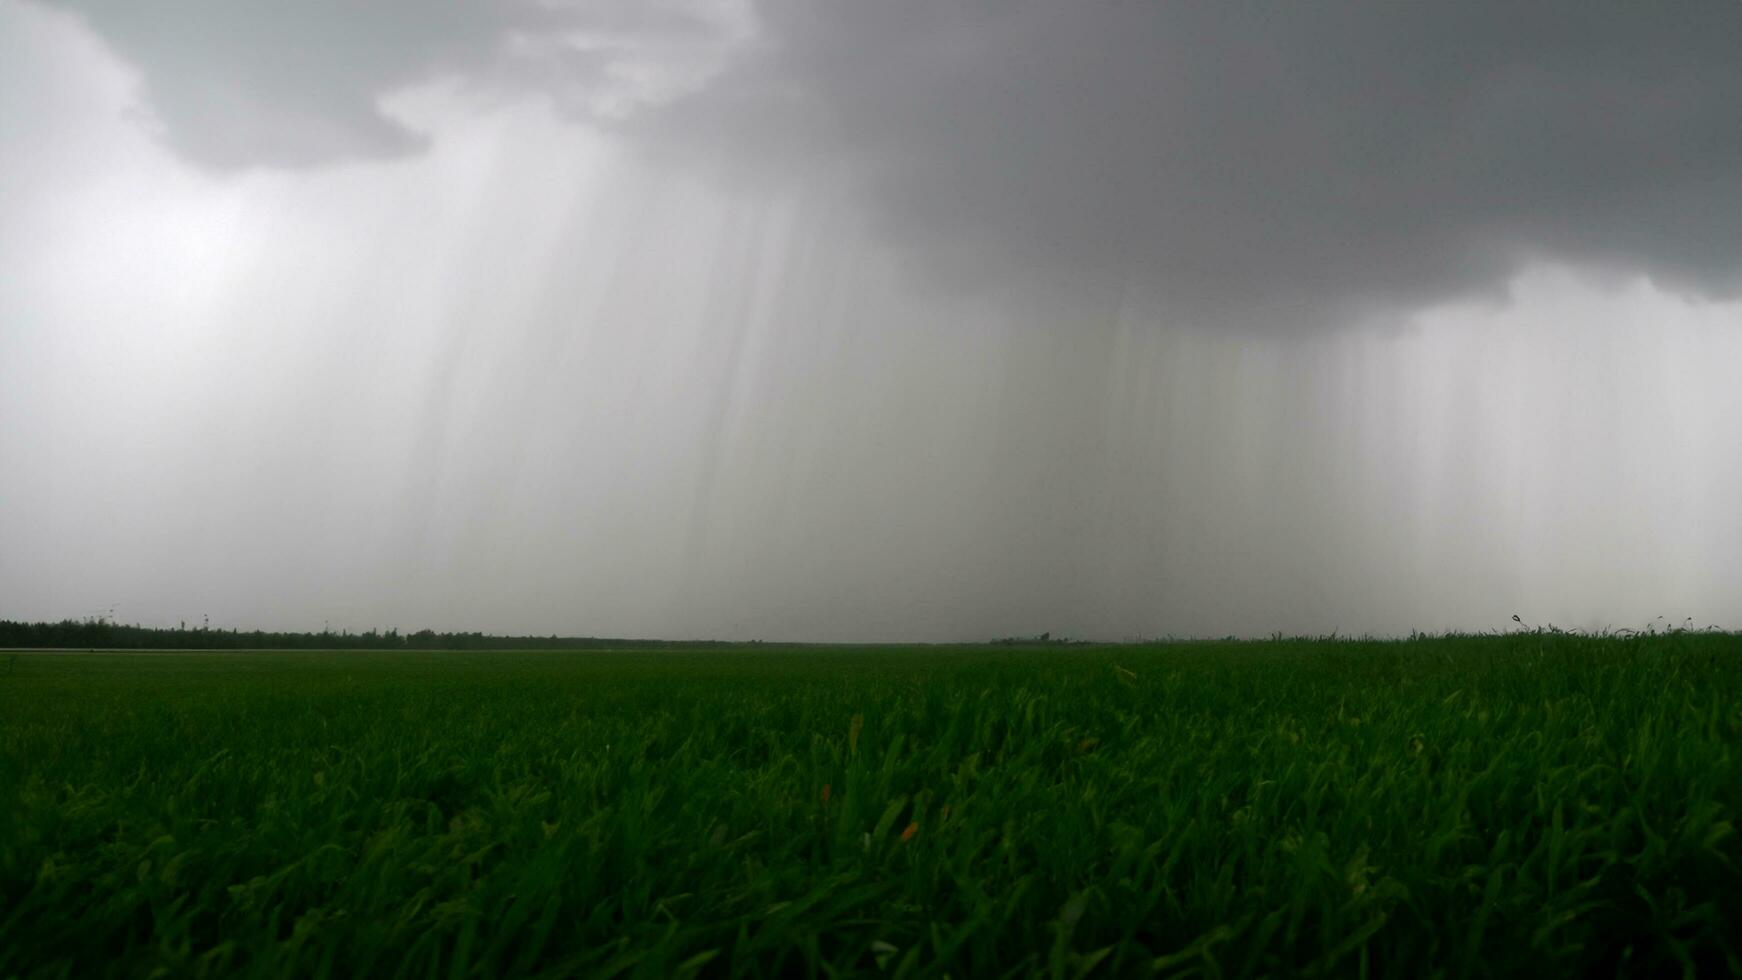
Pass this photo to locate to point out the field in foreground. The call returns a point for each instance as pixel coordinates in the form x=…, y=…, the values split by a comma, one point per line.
x=1519, y=805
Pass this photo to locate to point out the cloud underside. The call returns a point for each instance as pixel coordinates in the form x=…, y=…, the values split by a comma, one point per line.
x=1255, y=166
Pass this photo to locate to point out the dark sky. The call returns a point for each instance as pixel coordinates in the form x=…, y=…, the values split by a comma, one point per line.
x=874, y=320
x=1269, y=166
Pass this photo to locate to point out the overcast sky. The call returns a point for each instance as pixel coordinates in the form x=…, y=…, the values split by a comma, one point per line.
x=905, y=320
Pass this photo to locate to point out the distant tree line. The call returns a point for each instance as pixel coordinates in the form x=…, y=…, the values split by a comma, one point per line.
x=1044, y=639
x=104, y=633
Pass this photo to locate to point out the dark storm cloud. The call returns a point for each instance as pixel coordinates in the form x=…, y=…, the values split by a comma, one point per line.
x=1246, y=164
x=1268, y=163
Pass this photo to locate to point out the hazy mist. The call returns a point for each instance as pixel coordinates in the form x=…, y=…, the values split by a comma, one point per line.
x=876, y=321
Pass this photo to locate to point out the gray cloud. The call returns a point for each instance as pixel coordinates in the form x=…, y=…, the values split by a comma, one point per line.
x=1268, y=164
x=256, y=82
x=1244, y=164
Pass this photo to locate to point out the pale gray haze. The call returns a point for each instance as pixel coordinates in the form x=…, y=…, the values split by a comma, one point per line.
x=871, y=320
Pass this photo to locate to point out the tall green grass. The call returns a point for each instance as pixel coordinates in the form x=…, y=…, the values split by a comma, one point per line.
x=1521, y=805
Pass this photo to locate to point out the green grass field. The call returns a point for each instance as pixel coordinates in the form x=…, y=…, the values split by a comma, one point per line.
x=1520, y=805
